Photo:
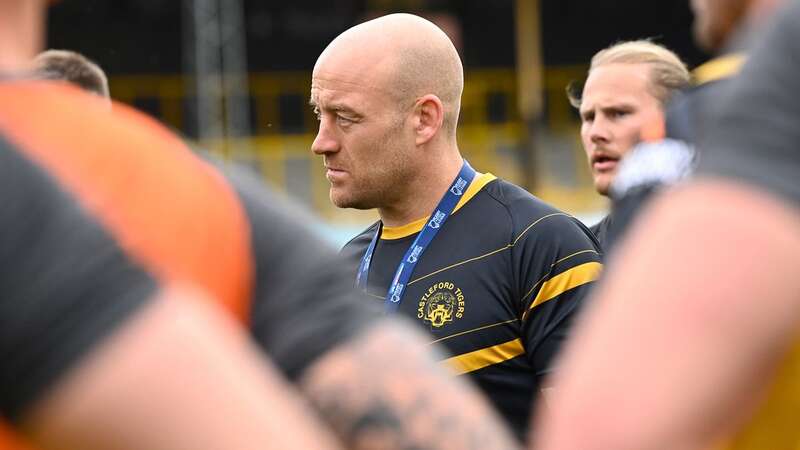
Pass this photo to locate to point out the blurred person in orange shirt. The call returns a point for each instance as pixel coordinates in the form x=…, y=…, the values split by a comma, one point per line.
x=99, y=351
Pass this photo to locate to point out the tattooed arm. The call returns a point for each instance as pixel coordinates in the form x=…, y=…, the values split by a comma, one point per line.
x=383, y=390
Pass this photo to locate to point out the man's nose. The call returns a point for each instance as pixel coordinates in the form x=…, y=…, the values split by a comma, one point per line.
x=325, y=141
x=599, y=131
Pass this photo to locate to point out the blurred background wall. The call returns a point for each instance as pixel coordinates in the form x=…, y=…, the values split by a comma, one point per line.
x=233, y=76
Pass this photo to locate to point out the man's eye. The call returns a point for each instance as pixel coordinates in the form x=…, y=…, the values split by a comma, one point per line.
x=344, y=120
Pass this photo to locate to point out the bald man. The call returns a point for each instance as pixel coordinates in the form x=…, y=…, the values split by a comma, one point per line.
x=303, y=312
x=490, y=271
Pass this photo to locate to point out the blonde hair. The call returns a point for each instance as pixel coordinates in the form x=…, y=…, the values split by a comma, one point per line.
x=667, y=75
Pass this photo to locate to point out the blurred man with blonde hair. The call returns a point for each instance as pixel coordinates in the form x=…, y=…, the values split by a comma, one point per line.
x=723, y=27
x=692, y=342
x=626, y=92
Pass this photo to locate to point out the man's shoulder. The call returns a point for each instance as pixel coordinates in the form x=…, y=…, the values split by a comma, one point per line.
x=533, y=220
x=521, y=205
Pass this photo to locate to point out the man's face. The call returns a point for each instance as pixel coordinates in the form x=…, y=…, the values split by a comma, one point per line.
x=616, y=105
x=716, y=20
x=363, y=136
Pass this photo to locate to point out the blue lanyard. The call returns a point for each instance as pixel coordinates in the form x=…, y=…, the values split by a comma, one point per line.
x=424, y=238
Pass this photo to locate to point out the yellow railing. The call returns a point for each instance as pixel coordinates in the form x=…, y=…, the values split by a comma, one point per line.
x=490, y=133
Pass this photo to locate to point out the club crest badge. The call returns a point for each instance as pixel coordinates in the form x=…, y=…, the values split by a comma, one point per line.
x=441, y=304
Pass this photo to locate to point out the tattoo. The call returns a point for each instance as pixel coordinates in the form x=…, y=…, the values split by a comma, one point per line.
x=384, y=390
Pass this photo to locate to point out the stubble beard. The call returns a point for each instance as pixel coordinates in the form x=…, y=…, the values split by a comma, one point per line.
x=381, y=188
x=602, y=184
x=379, y=191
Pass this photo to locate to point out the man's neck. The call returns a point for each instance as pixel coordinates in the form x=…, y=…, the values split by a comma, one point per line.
x=423, y=193
x=21, y=34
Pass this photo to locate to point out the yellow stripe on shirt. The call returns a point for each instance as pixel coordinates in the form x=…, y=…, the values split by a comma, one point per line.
x=563, y=282
x=718, y=68
x=472, y=361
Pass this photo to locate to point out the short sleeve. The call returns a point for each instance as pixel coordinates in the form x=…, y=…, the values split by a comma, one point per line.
x=558, y=260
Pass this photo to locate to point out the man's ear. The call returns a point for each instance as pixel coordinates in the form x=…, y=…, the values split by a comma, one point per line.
x=428, y=118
